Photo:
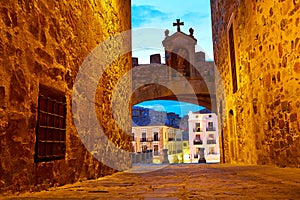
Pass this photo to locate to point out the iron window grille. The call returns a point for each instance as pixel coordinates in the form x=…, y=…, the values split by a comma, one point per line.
x=51, y=128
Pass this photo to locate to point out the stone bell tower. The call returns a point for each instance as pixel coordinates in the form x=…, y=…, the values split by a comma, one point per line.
x=180, y=51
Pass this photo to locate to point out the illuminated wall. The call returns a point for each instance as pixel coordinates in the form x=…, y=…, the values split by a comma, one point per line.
x=256, y=44
x=43, y=43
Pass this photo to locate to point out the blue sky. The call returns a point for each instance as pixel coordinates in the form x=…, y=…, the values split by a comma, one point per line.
x=160, y=14
x=171, y=106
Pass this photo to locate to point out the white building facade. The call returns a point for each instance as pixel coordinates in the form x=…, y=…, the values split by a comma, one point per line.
x=204, y=138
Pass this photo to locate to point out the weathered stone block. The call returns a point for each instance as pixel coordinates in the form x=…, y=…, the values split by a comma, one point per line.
x=297, y=67
x=44, y=55
x=18, y=88
x=293, y=117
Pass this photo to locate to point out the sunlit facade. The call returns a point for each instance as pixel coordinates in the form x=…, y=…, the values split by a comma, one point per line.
x=158, y=139
x=203, y=137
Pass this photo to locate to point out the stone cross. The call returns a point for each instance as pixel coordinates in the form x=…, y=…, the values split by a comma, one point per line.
x=178, y=24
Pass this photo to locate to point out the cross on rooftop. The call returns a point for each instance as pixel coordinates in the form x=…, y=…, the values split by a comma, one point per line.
x=178, y=24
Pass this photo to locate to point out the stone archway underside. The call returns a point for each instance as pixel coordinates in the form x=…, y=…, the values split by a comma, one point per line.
x=201, y=94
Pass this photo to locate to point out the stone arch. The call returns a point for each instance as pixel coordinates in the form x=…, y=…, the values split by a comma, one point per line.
x=160, y=92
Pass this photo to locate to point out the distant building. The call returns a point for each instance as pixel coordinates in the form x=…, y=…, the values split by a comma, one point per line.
x=147, y=117
x=173, y=120
x=203, y=138
x=165, y=143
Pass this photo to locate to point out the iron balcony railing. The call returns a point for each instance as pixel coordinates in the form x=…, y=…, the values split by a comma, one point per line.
x=146, y=140
x=211, y=142
x=198, y=142
x=179, y=151
x=211, y=129
x=197, y=130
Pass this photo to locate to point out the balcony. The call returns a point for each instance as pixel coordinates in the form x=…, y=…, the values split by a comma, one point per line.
x=146, y=140
x=211, y=142
x=211, y=129
x=197, y=130
x=198, y=142
x=179, y=151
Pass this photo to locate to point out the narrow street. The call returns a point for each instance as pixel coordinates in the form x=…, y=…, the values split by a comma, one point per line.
x=183, y=181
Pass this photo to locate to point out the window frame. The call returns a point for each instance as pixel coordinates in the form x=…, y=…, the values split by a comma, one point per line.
x=233, y=63
x=51, y=125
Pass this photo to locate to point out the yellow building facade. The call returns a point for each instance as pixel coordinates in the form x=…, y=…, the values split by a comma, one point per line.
x=159, y=139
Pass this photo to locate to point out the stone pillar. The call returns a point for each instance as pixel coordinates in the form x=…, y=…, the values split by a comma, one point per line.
x=201, y=155
x=165, y=157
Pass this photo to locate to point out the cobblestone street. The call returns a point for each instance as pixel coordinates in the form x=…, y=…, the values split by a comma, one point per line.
x=183, y=181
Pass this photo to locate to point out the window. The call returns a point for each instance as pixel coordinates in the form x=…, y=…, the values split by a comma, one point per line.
x=211, y=150
x=211, y=139
x=132, y=136
x=155, y=136
x=143, y=137
x=232, y=58
x=197, y=127
x=144, y=148
x=197, y=140
x=155, y=153
x=51, y=125
x=210, y=126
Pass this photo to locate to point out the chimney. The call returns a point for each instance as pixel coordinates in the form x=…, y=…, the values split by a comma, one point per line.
x=135, y=61
x=155, y=58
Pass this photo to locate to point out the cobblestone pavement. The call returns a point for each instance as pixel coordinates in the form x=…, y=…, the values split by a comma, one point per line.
x=184, y=181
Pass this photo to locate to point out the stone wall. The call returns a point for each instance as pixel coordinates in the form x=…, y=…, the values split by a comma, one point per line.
x=261, y=122
x=154, y=81
x=44, y=43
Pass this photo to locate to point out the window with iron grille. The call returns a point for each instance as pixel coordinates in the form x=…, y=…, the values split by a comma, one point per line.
x=51, y=125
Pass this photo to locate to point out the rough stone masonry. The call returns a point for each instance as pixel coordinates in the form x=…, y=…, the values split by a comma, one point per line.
x=42, y=46
x=256, y=51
